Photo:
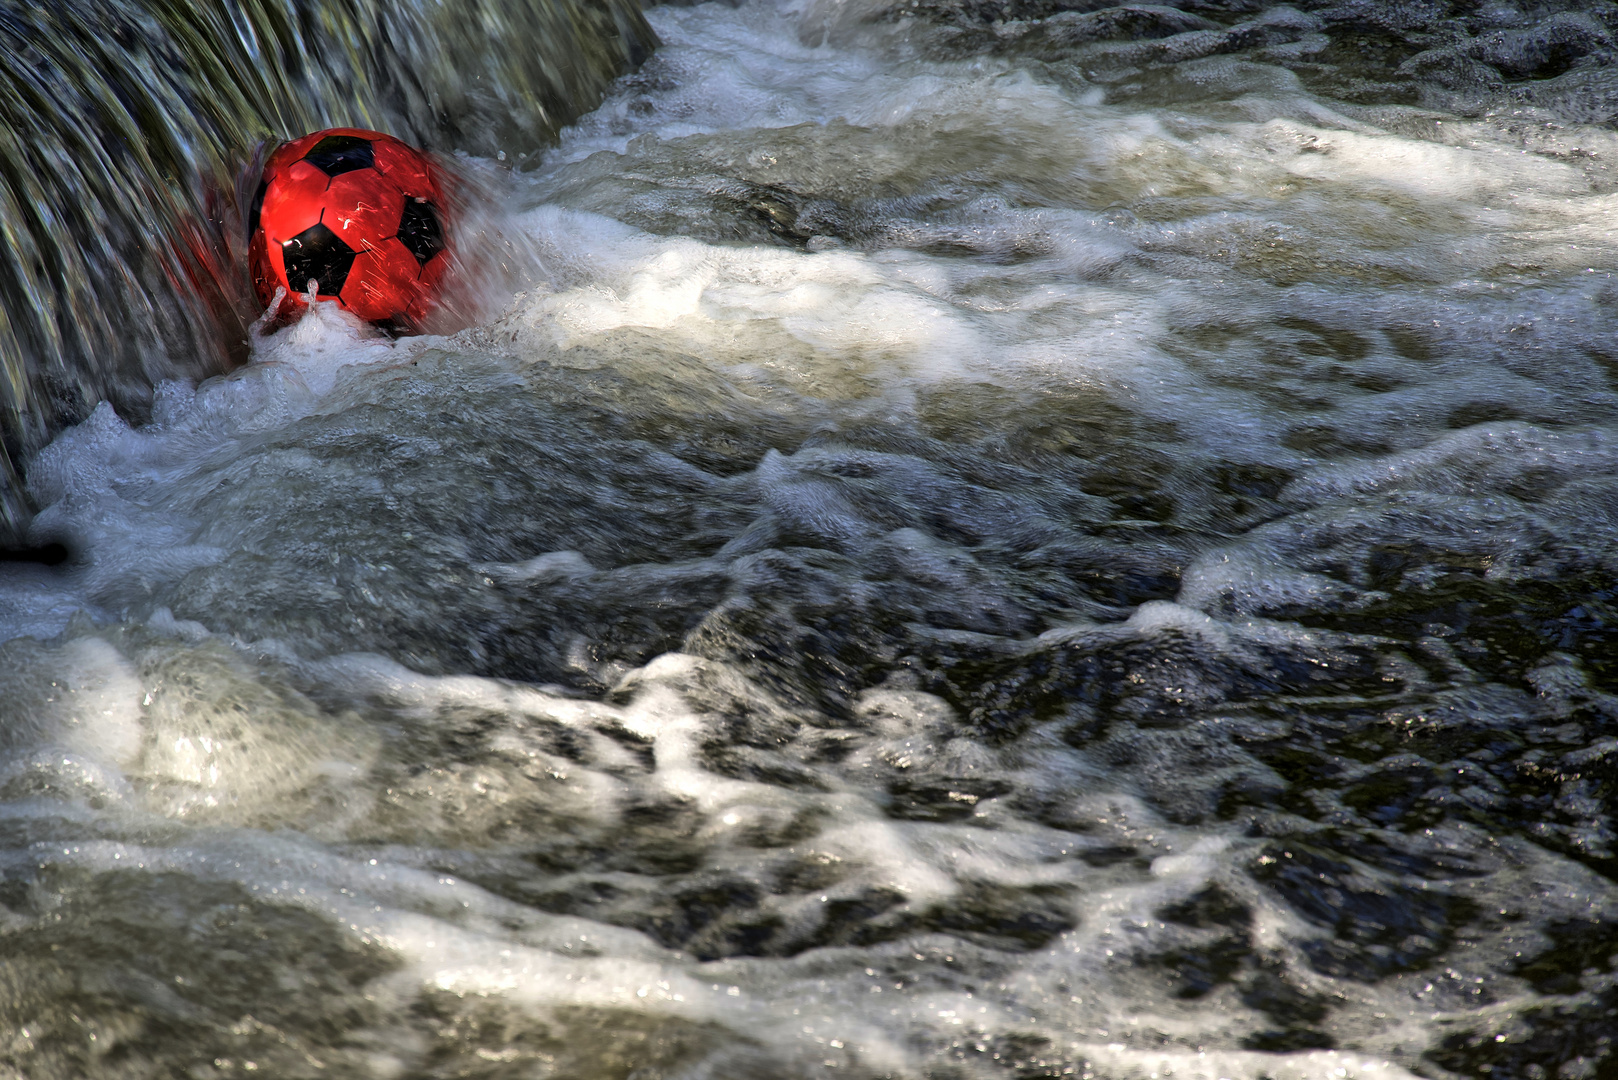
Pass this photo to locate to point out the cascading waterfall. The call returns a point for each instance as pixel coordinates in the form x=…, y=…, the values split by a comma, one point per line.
x=967, y=540
x=127, y=126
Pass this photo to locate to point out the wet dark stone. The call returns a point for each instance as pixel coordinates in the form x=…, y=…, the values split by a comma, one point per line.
x=1398, y=17
x=1090, y=726
x=789, y=216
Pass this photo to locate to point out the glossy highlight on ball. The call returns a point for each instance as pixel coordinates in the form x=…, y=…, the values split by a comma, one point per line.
x=359, y=214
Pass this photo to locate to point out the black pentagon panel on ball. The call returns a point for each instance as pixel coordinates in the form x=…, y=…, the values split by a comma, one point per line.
x=337, y=154
x=257, y=209
x=317, y=253
x=420, y=231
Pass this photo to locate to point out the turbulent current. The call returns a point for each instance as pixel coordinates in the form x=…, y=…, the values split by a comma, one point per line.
x=966, y=541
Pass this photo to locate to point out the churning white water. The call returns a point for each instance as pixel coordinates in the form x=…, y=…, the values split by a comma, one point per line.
x=943, y=562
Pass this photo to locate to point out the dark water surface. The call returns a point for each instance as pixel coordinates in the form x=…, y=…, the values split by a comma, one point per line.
x=980, y=541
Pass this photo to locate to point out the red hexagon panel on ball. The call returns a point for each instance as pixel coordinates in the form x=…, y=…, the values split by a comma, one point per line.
x=360, y=214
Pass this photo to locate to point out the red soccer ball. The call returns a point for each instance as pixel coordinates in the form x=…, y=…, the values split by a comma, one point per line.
x=358, y=212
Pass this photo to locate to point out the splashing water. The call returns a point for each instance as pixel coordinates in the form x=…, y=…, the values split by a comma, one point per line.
x=994, y=542
x=126, y=126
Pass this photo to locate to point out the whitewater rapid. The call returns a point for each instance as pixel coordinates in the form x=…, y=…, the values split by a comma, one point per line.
x=934, y=564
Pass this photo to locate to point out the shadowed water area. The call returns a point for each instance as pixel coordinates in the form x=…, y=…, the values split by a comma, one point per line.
x=1004, y=540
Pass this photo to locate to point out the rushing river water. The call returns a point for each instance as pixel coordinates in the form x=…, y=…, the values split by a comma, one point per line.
x=967, y=543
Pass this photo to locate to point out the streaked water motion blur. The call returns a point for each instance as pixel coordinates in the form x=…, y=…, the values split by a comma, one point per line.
x=974, y=540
